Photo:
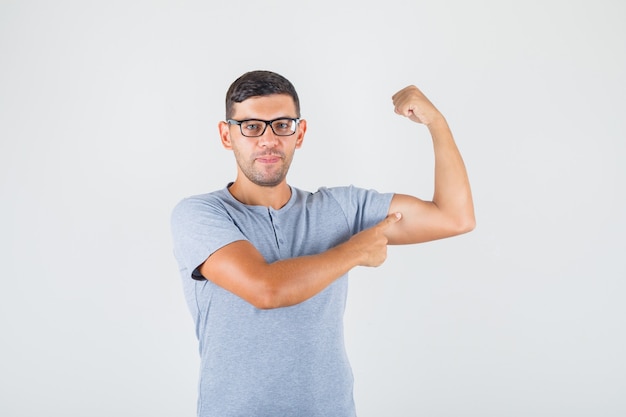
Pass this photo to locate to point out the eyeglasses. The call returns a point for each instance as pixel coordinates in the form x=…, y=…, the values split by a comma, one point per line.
x=253, y=128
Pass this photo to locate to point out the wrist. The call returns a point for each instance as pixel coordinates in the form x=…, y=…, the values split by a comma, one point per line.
x=438, y=122
x=350, y=252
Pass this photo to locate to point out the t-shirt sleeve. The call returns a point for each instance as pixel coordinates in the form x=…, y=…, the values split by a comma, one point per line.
x=363, y=208
x=200, y=226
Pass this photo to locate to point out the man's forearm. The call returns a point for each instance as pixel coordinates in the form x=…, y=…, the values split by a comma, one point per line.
x=299, y=279
x=241, y=269
x=292, y=281
x=452, y=193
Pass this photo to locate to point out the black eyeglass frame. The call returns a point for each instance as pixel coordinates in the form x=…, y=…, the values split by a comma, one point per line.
x=267, y=123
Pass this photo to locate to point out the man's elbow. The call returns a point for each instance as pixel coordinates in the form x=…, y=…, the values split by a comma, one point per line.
x=267, y=297
x=464, y=224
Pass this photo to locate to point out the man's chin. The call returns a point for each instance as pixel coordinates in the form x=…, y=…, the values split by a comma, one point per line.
x=268, y=182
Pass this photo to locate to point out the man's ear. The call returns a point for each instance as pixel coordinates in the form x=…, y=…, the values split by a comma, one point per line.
x=225, y=135
x=301, y=132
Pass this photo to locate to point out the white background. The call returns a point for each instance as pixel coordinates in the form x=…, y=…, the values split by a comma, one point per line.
x=108, y=115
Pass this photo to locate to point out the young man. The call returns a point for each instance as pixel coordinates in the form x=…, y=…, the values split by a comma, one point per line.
x=264, y=265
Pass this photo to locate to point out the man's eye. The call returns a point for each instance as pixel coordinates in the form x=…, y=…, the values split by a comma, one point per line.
x=284, y=124
x=251, y=126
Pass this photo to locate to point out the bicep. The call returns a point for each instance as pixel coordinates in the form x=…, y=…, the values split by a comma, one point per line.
x=237, y=267
x=422, y=221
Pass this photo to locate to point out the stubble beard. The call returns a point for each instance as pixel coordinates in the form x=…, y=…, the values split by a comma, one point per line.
x=262, y=176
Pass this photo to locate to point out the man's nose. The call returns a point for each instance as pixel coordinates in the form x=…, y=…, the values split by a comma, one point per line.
x=268, y=138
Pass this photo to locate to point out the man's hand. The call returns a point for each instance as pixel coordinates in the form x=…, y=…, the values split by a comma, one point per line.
x=371, y=245
x=412, y=103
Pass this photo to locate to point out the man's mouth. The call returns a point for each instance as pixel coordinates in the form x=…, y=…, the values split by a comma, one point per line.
x=269, y=159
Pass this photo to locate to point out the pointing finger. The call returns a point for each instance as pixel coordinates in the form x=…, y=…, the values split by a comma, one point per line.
x=391, y=219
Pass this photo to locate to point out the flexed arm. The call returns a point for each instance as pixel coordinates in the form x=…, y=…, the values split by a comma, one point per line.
x=451, y=211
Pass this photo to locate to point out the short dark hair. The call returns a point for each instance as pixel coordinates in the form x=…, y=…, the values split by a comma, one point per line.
x=259, y=83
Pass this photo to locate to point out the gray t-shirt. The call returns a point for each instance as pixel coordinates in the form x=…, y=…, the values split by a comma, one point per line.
x=282, y=362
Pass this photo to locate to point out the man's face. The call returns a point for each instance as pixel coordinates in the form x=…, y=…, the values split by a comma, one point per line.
x=263, y=160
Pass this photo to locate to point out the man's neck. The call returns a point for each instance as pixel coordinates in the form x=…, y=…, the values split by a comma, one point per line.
x=256, y=195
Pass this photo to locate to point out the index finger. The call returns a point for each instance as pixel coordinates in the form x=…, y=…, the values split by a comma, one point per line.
x=391, y=219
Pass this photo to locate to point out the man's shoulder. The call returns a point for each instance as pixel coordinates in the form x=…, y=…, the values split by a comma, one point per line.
x=323, y=194
x=200, y=202
x=345, y=192
x=334, y=190
x=352, y=197
x=216, y=195
x=349, y=198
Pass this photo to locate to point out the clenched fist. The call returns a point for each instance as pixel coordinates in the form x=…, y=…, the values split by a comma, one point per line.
x=412, y=103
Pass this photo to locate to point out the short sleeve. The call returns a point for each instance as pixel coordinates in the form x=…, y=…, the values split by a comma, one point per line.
x=200, y=226
x=362, y=207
